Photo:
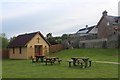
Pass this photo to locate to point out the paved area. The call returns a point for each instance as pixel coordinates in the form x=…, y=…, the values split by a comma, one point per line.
x=106, y=62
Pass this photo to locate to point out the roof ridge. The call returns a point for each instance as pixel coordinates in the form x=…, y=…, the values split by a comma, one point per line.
x=112, y=16
x=22, y=40
x=28, y=33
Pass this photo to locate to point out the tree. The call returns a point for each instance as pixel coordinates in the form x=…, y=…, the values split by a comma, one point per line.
x=51, y=40
x=56, y=40
x=64, y=36
x=12, y=38
x=4, y=40
x=49, y=35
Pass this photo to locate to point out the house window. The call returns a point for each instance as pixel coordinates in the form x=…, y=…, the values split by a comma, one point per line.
x=108, y=23
x=20, y=50
x=13, y=50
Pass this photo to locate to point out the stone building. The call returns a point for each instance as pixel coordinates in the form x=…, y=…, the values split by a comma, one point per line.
x=102, y=35
x=107, y=25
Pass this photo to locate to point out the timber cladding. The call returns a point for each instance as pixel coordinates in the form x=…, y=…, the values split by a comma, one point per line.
x=4, y=53
x=56, y=48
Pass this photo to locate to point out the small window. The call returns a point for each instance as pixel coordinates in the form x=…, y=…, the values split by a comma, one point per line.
x=108, y=24
x=20, y=50
x=13, y=50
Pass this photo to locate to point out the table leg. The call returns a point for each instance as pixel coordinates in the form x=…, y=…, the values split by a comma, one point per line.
x=69, y=64
x=74, y=63
x=46, y=62
x=51, y=62
x=86, y=63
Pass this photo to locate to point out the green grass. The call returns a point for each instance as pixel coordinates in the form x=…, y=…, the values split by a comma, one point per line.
x=26, y=69
x=94, y=54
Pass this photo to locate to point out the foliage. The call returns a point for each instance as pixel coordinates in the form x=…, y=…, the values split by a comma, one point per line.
x=53, y=40
x=49, y=35
x=64, y=36
x=12, y=38
x=57, y=39
x=4, y=40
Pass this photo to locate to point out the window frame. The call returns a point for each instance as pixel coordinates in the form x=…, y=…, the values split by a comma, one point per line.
x=20, y=50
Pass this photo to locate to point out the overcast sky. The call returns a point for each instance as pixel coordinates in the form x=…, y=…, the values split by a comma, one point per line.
x=52, y=16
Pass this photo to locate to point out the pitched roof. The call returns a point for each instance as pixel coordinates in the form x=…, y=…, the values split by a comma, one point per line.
x=84, y=30
x=112, y=19
x=90, y=28
x=22, y=40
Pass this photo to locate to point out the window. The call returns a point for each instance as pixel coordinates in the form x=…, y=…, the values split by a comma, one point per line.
x=13, y=50
x=108, y=23
x=20, y=50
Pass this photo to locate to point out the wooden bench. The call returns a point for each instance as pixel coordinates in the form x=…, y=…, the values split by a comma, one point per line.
x=70, y=61
x=59, y=60
x=82, y=64
x=78, y=62
x=50, y=61
x=33, y=60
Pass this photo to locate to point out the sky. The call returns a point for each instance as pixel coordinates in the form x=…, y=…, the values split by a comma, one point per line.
x=52, y=16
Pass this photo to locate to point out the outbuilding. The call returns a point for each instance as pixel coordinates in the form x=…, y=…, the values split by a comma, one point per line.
x=26, y=45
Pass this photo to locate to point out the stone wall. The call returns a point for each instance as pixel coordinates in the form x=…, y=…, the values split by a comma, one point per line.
x=75, y=41
x=111, y=42
x=96, y=43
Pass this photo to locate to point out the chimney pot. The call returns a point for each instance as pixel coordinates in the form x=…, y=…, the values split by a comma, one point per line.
x=86, y=26
x=104, y=13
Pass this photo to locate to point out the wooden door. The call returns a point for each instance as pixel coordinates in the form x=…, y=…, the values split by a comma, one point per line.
x=38, y=50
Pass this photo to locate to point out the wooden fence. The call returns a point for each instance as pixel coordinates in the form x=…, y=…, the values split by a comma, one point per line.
x=4, y=53
x=56, y=48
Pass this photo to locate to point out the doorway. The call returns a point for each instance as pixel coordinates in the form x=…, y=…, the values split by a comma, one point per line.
x=38, y=50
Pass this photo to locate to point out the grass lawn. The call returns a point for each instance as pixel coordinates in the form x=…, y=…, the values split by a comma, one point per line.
x=26, y=69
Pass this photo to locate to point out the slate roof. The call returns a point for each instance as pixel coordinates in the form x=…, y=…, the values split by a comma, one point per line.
x=112, y=19
x=22, y=40
x=84, y=30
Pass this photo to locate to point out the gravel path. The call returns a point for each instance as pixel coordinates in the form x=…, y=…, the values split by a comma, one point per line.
x=106, y=62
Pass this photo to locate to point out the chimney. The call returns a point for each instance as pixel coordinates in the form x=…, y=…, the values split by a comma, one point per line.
x=86, y=27
x=104, y=13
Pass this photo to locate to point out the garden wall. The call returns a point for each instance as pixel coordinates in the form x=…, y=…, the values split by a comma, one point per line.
x=97, y=43
x=111, y=42
x=56, y=48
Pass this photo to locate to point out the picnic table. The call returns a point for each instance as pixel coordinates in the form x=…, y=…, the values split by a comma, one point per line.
x=52, y=60
x=78, y=59
x=40, y=57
